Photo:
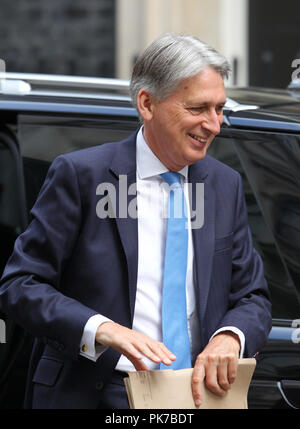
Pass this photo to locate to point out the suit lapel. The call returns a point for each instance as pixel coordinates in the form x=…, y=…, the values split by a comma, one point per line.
x=203, y=237
x=123, y=171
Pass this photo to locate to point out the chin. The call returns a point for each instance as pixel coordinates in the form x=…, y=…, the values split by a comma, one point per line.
x=197, y=156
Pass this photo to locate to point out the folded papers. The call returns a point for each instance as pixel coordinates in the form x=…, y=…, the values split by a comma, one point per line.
x=168, y=389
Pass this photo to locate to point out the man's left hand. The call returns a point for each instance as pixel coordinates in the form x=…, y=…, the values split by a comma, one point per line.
x=217, y=364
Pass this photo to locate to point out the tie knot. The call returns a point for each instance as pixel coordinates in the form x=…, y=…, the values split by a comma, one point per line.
x=171, y=177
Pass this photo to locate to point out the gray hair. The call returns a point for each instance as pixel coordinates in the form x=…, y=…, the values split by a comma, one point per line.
x=170, y=59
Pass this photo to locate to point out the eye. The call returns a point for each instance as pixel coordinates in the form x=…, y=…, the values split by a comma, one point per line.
x=196, y=110
x=219, y=109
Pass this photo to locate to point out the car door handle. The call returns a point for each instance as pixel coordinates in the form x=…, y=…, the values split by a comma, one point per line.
x=290, y=392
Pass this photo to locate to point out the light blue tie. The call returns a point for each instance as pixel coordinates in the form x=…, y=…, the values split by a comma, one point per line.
x=174, y=316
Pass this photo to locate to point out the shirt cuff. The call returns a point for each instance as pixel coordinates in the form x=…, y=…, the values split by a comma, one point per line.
x=238, y=332
x=88, y=346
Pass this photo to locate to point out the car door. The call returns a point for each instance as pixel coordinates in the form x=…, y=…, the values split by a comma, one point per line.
x=13, y=220
x=25, y=158
x=269, y=163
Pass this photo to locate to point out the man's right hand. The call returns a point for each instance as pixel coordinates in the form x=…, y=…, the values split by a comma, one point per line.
x=134, y=345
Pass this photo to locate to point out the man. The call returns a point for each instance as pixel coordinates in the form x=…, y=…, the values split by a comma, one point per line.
x=90, y=287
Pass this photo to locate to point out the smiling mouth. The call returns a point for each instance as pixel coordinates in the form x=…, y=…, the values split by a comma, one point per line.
x=199, y=139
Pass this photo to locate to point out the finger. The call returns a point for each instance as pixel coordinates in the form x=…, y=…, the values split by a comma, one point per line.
x=222, y=373
x=197, y=382
x=139, y=365
x=168, y=352
x=135, y=357
x=164, y=354
x=149, y=351
x=232, y=369
x=212, y=374
x=133, y=344
x=154, y=351
x=136, y=360
x=165, y=350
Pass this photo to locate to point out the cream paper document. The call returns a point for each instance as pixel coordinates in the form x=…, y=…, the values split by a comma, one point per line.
x=168, y=389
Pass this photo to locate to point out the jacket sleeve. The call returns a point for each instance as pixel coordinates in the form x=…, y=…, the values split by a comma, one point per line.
x=249, y=300
x=31, y=288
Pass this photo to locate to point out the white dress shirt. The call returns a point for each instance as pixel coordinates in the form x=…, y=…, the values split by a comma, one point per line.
x=152, y=202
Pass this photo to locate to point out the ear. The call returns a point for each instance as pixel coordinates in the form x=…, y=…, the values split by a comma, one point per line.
x=145, y=104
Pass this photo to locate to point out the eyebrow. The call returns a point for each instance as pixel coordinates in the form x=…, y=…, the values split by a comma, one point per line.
x=204, y=103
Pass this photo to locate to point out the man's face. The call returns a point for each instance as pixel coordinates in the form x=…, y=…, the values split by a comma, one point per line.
x=180, y=128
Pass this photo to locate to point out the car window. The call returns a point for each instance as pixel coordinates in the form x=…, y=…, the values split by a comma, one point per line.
x=269, y=166
x=43, y=138
x=13, y=217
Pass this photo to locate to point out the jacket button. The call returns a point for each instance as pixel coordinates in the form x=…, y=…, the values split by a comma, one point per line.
x=99, y=385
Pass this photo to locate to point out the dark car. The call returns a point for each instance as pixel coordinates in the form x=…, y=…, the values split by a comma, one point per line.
x=42, y=117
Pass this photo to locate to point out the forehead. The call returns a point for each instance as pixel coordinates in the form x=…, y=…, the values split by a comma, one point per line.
x=206, y=86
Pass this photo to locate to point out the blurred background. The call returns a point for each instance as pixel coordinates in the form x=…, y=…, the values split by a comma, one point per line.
x=102, y=38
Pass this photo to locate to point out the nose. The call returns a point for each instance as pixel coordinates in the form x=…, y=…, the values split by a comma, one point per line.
x=212, y=122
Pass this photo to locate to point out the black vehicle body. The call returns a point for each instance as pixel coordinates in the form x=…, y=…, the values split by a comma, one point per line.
x=44, y=116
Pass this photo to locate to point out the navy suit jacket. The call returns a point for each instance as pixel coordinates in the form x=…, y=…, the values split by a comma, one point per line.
x=69, y=265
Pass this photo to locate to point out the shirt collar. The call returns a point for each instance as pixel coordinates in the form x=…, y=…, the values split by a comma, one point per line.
x=148, y=165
